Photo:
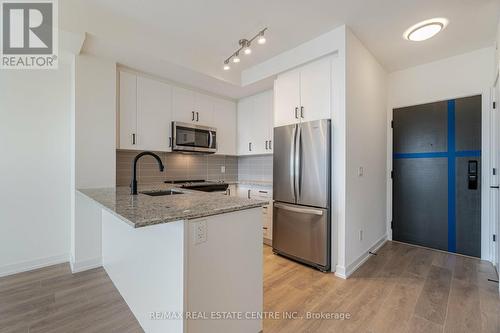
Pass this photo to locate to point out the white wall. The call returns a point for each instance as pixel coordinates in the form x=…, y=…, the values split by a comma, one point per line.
x=95, y=152
x=35, y=168
x=365, y=202
x=460, y=76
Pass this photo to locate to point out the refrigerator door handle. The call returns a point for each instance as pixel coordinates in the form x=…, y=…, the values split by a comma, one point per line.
x=298, y=162
x=292, y=162
x=299, y=210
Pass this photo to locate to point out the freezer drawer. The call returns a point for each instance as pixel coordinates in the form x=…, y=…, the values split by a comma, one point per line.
x=302, y=233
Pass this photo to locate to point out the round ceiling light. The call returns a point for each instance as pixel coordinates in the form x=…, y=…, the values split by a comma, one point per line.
x=425, y=29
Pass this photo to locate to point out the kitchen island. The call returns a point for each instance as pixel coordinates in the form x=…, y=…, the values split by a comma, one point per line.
x=184, y=261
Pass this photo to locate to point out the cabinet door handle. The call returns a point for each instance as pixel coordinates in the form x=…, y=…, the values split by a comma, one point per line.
x=270, y=145
x=133, y=138
x=266, y=145
x=296, y=112
x=192, y=118
x=301, y=112
x=265, y=228
x=260, y=191
x=197, y=116
x=248, y=194
x=249, y=146
x=170, y=141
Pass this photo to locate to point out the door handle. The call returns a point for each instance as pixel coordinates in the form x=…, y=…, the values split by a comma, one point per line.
x=192, y=118
x=296, y=112
x=197, y=116
x=472, y=175
x=170, y=141
x=299, y=210
x=494, y=186
x=298, y=162
x=292, y=162
x=301, y=112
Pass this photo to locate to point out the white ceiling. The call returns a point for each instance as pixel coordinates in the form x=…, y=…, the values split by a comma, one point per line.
x=195, y=36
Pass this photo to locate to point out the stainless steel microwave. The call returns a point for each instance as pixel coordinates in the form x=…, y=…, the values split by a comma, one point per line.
x=194, y=138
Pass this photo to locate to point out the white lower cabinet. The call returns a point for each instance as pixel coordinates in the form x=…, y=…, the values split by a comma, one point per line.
x=260, y=193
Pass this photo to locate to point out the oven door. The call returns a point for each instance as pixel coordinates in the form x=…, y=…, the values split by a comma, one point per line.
x=189, y=137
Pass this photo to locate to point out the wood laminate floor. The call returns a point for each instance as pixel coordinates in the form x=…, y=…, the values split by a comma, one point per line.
x=402, y=289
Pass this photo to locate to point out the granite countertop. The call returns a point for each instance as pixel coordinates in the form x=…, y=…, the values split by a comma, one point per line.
x=143, y=210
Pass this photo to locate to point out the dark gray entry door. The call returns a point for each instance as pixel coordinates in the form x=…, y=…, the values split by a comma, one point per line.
x=436, y=175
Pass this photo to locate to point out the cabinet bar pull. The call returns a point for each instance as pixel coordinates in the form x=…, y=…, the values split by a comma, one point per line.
x=248, y=194
x=270, y=144
x=262, y=191
x=266, y=144
x=197, y=116
x=296, y=112
x=249, y=146
x=192, y=119
x=301, y=112
x=133, y=138
x=170, y=141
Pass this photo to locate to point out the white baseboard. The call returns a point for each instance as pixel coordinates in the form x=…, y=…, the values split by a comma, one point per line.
x=85, y=265
x=32, y=264
x=345, y=272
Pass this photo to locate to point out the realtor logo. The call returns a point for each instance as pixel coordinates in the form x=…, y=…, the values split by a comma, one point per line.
x=29, y=34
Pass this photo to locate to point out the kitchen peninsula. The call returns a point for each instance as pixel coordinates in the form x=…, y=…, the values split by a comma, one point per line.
x=177, y=254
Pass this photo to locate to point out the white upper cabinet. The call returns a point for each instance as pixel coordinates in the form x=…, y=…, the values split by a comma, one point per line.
x=224, y=119
x=154, y=109
x=192, y=107
x=303, y=94
x=245, y=124
x=183, y=105
x=315, y=90
x=204, y=109
x=263, y=113
x=145, y=113
x=286, y=98
x=128, y=111
x=255, y=123
x=147, y=108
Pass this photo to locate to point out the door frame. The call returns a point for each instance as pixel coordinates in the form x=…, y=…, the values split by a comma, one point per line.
x=487, y=225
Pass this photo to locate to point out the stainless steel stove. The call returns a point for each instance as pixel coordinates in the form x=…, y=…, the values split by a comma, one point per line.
x=201, y=185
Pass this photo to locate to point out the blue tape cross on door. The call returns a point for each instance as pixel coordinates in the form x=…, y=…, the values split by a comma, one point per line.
x=436, y=185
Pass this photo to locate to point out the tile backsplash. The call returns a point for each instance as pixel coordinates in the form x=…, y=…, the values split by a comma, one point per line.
x=191, y=167
x=177, y=167
x=259, y=168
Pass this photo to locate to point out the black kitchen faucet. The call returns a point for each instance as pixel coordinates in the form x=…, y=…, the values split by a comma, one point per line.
x=133, y=186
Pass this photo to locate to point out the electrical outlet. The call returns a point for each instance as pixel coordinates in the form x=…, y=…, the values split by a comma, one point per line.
x=223, y=169
x=361, y=235
x=200, y=232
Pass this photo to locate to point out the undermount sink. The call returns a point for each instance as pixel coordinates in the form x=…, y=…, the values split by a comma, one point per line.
x=161, y=193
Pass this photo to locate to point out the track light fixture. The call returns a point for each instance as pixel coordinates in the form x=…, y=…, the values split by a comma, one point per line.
x=245, y=47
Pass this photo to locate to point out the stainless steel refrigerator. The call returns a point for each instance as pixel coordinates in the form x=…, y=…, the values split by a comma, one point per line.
x=301, y=193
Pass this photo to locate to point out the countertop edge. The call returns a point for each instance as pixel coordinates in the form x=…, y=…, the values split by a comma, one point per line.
x=137, y=225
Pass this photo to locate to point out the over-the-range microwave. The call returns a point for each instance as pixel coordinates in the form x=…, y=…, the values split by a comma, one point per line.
x=193, y=138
